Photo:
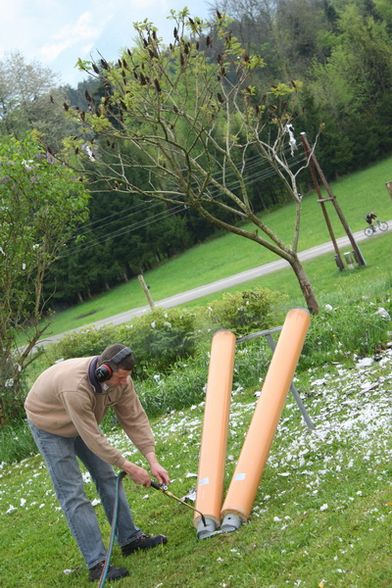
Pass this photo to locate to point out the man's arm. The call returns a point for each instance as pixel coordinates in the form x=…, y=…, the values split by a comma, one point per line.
x=85, y=423
x=136, y=425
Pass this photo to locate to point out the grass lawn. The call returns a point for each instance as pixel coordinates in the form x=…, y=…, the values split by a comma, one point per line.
x=322, y=513
x=321, y=517
x=229, y=254
x=329, y=283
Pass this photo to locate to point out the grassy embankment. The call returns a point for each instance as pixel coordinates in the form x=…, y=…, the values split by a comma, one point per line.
x=228, y=254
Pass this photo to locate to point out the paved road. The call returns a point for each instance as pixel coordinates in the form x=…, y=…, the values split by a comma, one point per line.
x=222, y=284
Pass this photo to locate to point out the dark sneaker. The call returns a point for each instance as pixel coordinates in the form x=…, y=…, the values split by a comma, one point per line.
x=143, y=542
x=113, y=573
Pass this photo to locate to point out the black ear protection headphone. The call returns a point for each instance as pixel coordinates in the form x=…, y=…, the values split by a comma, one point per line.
x=104, y=372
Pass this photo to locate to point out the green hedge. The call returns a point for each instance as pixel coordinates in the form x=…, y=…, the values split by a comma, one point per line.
x=244, y=312
x=158, y=339
x=162, y=337
x=186, y=383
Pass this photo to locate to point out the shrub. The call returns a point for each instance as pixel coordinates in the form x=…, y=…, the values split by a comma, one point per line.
x=16, y=442
x=158, y=339
x=252, y=360
x=182, y=387
x=185, y=385
x=243, y=312
x=84, y=343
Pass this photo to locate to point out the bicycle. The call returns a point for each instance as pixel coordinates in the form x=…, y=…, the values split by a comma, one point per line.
x=378, y=225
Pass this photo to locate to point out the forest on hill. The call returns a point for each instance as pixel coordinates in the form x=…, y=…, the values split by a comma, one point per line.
x=339, y=53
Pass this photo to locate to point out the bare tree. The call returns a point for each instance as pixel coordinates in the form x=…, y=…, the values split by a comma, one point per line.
x=191, y=116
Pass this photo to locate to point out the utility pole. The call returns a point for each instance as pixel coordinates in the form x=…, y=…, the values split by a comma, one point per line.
x=317, y=178
x=388, y=186
x=146, y=291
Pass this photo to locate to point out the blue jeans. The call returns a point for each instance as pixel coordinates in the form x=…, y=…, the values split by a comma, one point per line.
x=60, y=454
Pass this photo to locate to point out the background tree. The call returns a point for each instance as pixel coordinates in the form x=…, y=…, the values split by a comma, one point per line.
x=196, y=127
x=351, y=92
x=41, y=203
x=30, y=99
x=342, y=53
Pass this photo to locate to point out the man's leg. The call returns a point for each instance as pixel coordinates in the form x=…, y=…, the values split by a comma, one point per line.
x=105, y=480
x=59, y=454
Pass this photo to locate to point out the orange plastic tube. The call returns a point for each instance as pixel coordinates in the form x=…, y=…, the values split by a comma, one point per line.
x=209, y=495
x=254, y=454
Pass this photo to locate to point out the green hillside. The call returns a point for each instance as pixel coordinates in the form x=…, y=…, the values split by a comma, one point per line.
x=229, y=254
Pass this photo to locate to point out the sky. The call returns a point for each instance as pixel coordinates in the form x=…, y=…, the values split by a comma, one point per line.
x=55, y=33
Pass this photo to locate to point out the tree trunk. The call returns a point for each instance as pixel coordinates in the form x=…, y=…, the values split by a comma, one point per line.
x=305, y=285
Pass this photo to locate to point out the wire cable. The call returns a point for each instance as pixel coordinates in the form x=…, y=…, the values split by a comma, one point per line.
x=165, y=214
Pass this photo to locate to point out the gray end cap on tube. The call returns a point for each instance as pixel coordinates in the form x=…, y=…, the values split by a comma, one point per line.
x=204, y=532
x=231, y=522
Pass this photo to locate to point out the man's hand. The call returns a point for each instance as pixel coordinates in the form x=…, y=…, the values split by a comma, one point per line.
x=137, y=474
x=160, y=474
x=157, y=470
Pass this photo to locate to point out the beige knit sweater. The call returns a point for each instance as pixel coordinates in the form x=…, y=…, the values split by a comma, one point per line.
x=63, y=401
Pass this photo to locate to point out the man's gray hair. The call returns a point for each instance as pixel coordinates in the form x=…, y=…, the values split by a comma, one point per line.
x=107, y=356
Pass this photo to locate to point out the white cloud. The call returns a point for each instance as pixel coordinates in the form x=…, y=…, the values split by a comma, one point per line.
x=81, y=33
x=56, y=33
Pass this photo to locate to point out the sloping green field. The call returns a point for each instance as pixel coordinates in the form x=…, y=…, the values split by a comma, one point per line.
x=228, y=254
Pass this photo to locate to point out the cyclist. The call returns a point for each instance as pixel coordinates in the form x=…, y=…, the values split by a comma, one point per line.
x=370, y=219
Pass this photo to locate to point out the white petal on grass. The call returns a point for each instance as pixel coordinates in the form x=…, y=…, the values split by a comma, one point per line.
x=365, y=362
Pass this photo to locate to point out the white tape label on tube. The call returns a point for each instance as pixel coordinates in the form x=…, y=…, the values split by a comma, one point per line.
x=204, y=482
x=240, y=477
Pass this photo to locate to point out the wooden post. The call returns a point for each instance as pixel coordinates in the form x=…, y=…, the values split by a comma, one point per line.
x=146, y=290
x=357, y=252
x=389, y=187
x=316, y=184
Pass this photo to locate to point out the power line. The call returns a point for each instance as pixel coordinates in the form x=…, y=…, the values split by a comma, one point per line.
x=141, y=205
x=163, y=215
x=251, y=164
x=130, y=228
x=102, y=223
